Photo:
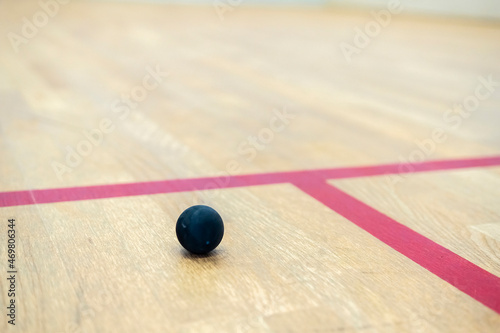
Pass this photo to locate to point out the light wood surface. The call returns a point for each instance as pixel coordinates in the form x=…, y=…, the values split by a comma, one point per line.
x=287, y=263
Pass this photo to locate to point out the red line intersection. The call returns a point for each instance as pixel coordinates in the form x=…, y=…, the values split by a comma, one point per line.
x=449, y=266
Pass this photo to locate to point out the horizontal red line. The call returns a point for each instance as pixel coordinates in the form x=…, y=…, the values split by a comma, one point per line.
x=41, y=196
x=454, y=269
x=457, y=271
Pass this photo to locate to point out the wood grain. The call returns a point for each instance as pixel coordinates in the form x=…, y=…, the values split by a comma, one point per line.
x=287, y=262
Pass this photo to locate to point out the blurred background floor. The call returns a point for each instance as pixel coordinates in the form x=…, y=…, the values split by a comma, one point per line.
x=107, y=92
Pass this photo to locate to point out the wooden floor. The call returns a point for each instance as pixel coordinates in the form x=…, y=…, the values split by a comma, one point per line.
x=135, y=94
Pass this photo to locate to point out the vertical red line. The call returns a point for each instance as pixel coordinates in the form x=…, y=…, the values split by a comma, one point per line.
x=459, y=272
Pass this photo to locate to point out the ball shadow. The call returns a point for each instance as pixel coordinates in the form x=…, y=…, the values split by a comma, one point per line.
x=214, y=255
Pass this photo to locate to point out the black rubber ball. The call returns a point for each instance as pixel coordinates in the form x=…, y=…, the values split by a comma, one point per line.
x=199, y=229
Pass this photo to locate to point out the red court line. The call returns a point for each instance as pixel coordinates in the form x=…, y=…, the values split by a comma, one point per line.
x=41, y=196
x=459, y=272
x=464, y=275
